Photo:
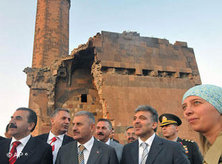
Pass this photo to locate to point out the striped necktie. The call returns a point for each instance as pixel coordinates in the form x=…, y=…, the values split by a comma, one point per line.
x=13, y=152
x=145, y=152
x=80, y=154
x=52, y=143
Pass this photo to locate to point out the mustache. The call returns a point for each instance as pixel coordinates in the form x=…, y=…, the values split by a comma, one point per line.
x=76, y=131
x=12, y=125
x=100, y=133
x=131, y=138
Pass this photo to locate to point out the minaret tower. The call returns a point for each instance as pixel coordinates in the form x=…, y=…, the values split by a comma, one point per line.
x=51, y=43
x=51, y=32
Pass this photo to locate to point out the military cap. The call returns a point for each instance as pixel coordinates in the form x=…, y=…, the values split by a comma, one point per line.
x=167, y=118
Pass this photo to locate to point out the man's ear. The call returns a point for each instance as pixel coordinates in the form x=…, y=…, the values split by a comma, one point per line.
x=177, y=128
x=154, y=126
x=31, y=126
x=52, y=120
x=93, y=127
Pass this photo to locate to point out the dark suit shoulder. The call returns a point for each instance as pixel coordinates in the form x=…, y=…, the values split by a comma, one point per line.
x=132, y=144
x=67, y=139
x=42, y=137
x=67, y=146
x=2, y=138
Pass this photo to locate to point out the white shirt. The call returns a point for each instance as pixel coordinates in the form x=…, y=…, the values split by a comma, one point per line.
x=57, y=143
x=149, y=141
x=21, y=146
x=88, y=146
x=108, y=142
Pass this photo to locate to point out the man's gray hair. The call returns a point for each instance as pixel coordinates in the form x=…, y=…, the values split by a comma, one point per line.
x=86, y=113
x=153, y=112
x=148, y=109
x=58, y=110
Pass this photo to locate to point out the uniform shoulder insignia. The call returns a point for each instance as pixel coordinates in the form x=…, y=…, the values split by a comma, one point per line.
x=188, y=140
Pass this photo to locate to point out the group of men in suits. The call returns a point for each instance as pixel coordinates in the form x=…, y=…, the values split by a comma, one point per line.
x=85, y=148
x=56, y=147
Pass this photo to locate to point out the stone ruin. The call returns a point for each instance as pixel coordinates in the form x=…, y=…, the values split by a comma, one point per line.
x=111, y=75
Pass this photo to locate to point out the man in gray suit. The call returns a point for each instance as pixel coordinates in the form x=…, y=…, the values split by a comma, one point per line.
x=85, y=149
x=149, y=148
x=103, y=131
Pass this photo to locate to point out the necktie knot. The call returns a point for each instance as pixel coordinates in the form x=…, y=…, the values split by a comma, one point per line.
x=53, y=139
x=144, y=145
x=16, y=143
x=81, y=148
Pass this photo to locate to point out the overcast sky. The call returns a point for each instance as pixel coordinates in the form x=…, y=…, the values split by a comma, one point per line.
x=197, y=22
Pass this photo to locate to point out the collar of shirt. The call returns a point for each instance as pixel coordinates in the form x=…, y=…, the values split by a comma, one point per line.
x=51, y=135
x=149, y=141
x=108, y=142
x=20, y=146
x=88, y=145
x=23, y=140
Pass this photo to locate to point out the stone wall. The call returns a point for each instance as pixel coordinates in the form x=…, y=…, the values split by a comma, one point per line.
x=111, y=75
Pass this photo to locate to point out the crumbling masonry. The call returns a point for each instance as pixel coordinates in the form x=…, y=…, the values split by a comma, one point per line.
x=109, y=76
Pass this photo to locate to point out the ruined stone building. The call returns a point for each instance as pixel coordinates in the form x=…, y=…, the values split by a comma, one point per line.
x=110, y=75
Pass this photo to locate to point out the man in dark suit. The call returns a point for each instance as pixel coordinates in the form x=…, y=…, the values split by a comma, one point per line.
x=22, y=148
x=103, y=131
x=60, y=121
x=85, y=149
x=169, y=124
x=149, y=148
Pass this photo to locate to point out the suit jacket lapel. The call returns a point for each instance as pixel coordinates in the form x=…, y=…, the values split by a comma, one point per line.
x=74, y=150
x=65, y=140
x=95, y=152
x=154, y=150
x=134, y=152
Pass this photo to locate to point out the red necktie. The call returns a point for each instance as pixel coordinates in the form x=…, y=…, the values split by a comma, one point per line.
x=13, y=152
x=52, y=143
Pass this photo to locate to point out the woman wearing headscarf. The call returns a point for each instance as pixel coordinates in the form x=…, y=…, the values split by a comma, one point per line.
x=202, y=106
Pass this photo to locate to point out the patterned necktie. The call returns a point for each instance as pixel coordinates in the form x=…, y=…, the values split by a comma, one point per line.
x=13, y=152
x=80, y=154
x=52, y=143
x=145, y=152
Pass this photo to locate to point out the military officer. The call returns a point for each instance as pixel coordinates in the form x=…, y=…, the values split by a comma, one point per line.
x=169, y=124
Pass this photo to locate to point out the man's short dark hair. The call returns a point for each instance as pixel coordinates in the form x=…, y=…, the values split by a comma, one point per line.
x=108, y=121
x=129, y=127
x=58, y=110
x=7, y=127
x=153, y=112
x=32, y=116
